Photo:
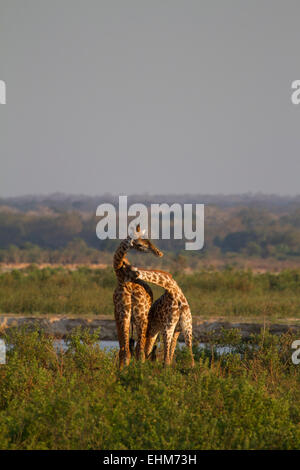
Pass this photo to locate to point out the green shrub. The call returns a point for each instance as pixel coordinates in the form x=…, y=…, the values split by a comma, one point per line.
x=210, y=293
x=77, y=399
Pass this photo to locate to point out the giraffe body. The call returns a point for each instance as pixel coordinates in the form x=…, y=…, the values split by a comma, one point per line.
x=132, y=299
x=168, y=315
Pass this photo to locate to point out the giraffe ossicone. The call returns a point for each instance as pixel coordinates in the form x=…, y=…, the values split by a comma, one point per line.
x=135, y=234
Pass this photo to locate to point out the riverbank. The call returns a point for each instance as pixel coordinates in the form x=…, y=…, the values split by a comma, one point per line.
x=60, y=326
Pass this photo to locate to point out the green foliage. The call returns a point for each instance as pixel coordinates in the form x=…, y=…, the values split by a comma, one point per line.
x=77, y=399
x=68, y=235
x=84, y=291
x=57, y=290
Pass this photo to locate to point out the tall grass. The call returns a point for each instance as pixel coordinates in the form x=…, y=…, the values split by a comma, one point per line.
x=77, y=399
x=228, y=293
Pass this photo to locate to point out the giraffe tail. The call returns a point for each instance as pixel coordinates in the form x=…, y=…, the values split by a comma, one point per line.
x=131, y=340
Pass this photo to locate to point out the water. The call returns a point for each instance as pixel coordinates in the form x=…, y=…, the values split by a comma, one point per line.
x=109, y=345
x=104, y=345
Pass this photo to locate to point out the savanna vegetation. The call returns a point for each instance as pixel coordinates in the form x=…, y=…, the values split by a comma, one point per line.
x=76, y=399
x=215, y=293
x=61, y=229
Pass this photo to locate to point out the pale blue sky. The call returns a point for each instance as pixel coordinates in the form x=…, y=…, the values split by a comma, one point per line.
x=130, y=96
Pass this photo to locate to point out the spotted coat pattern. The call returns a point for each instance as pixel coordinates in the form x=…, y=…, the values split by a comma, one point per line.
x=131, y=300
x=168, y=315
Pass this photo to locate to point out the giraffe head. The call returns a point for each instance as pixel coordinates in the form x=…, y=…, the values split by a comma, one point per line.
x=129, y=273
x=143, y=244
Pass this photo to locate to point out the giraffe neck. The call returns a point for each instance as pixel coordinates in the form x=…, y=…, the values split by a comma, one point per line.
x=160, y=278
x=120, y=254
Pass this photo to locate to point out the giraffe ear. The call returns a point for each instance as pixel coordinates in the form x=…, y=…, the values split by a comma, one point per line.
x=132, y=235
x=137, y=233
x=140, y=232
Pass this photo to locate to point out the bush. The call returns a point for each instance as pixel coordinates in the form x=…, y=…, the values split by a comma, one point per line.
x=77, y=399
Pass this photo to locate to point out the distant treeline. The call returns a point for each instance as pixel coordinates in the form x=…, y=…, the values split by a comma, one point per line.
x=60, y=202
x=49, y=234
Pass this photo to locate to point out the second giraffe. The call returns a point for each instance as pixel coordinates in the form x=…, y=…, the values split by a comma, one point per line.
x=168, y=315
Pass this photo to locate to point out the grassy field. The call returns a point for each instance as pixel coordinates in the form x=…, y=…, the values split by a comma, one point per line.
x=77, y=399
x=84, y=291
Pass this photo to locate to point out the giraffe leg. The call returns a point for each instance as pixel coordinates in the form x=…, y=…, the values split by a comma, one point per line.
x=153, y=355
x=173, y=344
x=171, y=334
x=168, y=334
x=121, y=345
x=150, y=341
x=141, y=329
x=141, y=304
x=122, y=317
x=186, y=325
x=123, y=335
x=167, y=340
x=152, y=332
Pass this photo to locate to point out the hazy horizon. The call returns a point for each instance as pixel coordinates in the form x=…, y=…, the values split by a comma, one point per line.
x=92, y=195
x=161, y=97
x=62, y=193
x=109, y=195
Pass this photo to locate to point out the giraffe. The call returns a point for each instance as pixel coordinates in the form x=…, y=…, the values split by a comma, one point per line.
x=132, y=297
x=168, y=314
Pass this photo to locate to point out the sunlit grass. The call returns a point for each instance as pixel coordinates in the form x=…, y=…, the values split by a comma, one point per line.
x=77, y=399
x=227, y=293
